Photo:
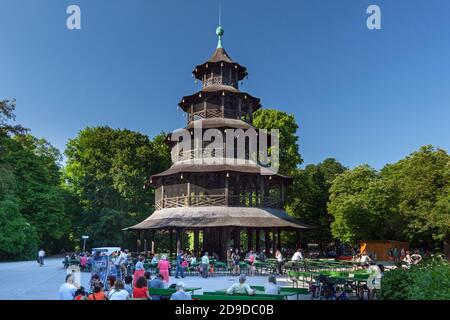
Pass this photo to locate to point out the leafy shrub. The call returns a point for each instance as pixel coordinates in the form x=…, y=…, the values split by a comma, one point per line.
x=426, y=281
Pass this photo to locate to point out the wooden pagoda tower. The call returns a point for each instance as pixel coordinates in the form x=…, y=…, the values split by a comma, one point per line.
x=218, y=202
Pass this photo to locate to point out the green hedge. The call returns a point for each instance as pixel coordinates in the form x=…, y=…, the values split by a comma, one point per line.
x=429, y=280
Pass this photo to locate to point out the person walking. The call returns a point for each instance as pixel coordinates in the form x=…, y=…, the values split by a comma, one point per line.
x=235, y=260
x=205, y=265
x=179, y=268
x=164, y=267
x=41, y=255
x=396, y=255
x=279, y=258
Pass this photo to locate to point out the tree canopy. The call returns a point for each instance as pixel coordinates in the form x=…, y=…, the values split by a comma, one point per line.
x=107, y=169
x=407, y=200
x=268, y=119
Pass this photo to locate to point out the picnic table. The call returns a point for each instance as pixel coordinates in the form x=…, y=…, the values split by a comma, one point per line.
x=282, y=295
x=169, y=291
x=222, y=297
x=288, y=290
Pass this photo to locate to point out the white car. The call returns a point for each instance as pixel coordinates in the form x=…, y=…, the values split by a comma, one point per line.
x=106, y=250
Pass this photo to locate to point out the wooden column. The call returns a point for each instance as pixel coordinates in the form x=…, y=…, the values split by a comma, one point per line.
x=177, y=241
x=238, y=239
x=298, y=244
x=267, y=241
x=170, y=242
x=274, y=241
x=261, y=193
x=223, y=107
x=138, y=242
x=162, y=193
x=153, y=241
x=226, y=189
x=145, y=242
x=239, y=109
x=204, y=233
x=279, y=239
x=258, y=238
x=188, y=192
x=196, y=240
x=249, y=239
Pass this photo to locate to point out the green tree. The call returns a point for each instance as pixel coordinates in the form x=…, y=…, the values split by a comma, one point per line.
x=7, y=116
x=268, y=119
x=423, y=181
x=364, y=206
x=107, y=169
x=308, y=201
x=17, y=236
x=35, y=166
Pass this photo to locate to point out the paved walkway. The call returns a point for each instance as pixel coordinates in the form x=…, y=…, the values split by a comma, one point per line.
x=28, y=281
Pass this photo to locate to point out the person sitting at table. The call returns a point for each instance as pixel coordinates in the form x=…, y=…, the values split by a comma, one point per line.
x=111, y=280
x=180, y=294
x=140, y=290
x=139, y=269
x=297, y=256
x=118, y=292
x=164, y=267
x=416, y=257
x=376, y=273
x=365, y=259
x=148, y=276
x=271, y=286
x=129, y=284
x=81, y=294
x=155, y=260
x=156, y=283
x=68, y=288
x=241, y=287
x=98, y=293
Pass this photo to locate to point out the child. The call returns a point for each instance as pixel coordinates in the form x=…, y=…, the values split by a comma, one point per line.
x=80, y=294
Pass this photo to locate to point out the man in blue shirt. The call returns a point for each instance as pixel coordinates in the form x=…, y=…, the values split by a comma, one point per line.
x=179, y=269
x=156, y=283
x=181, y=294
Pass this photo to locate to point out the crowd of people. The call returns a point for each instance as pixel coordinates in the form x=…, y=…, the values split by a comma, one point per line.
x=135, y=284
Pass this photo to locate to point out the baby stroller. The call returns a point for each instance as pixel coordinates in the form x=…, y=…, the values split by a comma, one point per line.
x=325, y=289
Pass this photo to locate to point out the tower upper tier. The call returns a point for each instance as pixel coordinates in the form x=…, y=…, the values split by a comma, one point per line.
x=220, y=96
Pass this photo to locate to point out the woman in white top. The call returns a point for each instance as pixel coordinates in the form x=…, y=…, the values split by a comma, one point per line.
x=272, y=287
x=118, y=292
x=279, y=257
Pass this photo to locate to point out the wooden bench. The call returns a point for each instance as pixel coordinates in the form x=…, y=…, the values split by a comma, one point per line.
x=233, y=297
x=297, y=291
x=168, y=291
x=263, y=295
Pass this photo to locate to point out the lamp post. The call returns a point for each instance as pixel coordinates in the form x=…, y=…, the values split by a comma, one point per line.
x=84, y=242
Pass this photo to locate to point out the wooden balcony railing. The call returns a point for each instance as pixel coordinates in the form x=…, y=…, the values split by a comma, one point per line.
x=218, y=113
x=218, y=200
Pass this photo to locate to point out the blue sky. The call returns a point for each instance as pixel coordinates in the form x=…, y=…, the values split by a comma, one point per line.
x=358, y=95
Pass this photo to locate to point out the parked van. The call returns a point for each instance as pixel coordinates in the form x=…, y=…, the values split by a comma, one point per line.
x=106, y=250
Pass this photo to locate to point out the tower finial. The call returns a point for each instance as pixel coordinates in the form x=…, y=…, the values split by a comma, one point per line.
x=220, y=31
